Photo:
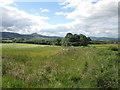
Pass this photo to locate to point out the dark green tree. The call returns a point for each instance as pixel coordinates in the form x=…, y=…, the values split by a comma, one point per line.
x=84, y=40
x=75, y=40
x=57, y=41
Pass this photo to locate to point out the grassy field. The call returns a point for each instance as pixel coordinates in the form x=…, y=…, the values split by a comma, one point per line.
x=40, y=66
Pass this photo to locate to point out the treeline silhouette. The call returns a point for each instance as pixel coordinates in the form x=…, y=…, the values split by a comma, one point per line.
x=69, y=40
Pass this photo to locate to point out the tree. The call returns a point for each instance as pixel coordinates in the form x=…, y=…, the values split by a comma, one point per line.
x=57, y=41
x=65, y=42
x=83, y=40
x=75, y=40
x=68, y=35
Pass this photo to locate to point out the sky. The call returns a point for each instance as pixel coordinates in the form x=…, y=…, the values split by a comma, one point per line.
x=98, y=18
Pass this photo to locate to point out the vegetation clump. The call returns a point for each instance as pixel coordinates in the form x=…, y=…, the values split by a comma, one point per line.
x=75, y=40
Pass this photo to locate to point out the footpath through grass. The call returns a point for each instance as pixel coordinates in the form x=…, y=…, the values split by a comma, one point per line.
x=38, y=66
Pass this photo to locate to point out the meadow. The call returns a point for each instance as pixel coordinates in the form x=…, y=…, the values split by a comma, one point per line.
x=48, y=66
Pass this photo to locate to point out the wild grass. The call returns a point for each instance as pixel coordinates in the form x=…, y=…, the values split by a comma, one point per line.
x=39, y=66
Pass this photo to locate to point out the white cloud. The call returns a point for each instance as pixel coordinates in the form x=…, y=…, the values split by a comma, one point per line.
x=61, y=13
x=17, y=20
x=92, y=19
x=62, y=3
x=44, y=10
x=6, y=2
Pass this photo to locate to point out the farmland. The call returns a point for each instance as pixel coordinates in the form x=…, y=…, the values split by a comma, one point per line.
x=48, y=66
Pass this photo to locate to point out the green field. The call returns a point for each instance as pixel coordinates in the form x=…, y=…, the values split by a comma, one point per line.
x=44, y=66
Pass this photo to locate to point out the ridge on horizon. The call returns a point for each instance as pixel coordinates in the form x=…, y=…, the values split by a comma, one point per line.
x=33, y=35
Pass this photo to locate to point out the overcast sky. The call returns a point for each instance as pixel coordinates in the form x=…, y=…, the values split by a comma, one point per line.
x=97, y=18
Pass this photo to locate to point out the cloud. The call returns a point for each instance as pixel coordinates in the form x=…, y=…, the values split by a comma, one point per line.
x=61, y=13
x=44, y=10
x=6, y=2
x=17, y=20
x=91, y=17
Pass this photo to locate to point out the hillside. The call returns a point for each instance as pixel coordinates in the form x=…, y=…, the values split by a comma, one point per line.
x=103, y=38
x=38, y=36
x=25, y=36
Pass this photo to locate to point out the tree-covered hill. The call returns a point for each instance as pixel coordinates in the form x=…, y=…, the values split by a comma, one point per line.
x=25, y=36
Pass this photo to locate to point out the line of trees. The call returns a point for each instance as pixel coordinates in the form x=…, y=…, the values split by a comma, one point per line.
x=69, y=40
x=29, y=41
x=72, y=40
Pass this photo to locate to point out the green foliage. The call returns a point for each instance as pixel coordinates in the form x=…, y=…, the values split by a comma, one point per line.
x=45, y=66
x=75, y=40
x=72, y=40
x=107, y=76
x=65, y=42
x=12, y=82
x=56, y=42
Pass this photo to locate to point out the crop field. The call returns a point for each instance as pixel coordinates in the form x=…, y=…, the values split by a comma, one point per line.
x=45, y=66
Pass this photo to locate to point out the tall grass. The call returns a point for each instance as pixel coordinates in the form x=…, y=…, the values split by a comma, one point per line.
x=37, y=66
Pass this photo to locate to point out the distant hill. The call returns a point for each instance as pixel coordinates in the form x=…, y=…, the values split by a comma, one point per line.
x=103, y=38
x=25, y=36
x=39, y=36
